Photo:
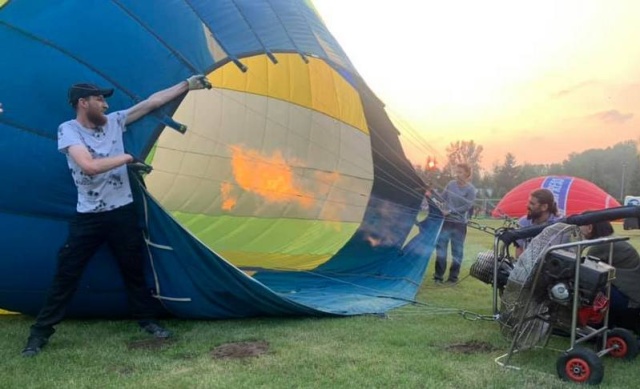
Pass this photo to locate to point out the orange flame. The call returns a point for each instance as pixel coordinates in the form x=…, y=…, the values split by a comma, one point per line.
x=228, y=200
x=269, y=177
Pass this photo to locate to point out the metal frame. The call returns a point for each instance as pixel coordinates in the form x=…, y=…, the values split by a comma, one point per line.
x=589, y=332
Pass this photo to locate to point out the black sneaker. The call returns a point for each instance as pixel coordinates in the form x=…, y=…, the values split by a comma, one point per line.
x=156, y=330
x=34, y=346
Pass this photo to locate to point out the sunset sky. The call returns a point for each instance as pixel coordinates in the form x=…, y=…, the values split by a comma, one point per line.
x=540, y=79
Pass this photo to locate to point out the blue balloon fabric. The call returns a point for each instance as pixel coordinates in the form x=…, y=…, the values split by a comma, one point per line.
x=138, y=47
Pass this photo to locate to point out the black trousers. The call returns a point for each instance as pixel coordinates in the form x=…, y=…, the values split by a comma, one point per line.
x=620, y=315
x=87, y=232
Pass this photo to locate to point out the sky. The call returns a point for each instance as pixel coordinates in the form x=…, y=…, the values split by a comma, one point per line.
x=540, y=79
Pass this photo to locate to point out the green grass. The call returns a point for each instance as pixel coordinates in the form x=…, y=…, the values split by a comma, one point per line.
x=410, y=348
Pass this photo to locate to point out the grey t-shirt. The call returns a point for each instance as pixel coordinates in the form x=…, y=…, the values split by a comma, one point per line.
x=104, y=191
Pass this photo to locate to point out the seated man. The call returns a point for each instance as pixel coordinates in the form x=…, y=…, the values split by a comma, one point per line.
x=625, y=288
x=541, y=209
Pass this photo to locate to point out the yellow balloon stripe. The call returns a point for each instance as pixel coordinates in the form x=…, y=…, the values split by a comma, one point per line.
x=277, y=261
x=314, y=85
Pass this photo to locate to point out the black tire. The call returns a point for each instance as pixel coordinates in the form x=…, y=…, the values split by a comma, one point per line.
x=625, y=343
x=580, y=365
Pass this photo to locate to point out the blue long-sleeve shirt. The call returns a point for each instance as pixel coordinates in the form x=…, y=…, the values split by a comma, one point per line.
x=459, y=200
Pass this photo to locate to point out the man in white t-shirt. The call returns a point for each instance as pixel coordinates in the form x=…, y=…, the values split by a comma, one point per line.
x=93, y=145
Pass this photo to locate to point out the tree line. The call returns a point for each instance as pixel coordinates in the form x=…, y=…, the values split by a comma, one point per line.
x=615, y=169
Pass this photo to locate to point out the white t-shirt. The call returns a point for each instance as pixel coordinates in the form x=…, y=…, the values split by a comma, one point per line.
x=105, y=191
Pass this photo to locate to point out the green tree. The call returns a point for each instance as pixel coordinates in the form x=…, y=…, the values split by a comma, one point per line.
x=528, y=171
x=555, y=169
x=505, y=176
x=604, y=167
x=607, y=168
x=633, y=179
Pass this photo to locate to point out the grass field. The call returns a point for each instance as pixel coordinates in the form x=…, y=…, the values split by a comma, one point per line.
x=429, y=345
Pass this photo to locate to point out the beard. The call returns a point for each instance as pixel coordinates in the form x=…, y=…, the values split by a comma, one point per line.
x=532, y=215
x=97, y=118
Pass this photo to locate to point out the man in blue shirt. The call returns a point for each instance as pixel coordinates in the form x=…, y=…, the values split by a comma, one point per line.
x=459, y=196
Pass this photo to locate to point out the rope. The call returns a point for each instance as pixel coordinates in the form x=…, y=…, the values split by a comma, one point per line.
x=149, y=244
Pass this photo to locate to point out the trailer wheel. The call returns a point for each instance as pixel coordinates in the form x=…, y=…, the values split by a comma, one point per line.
x=624, y=343
x=580, y=365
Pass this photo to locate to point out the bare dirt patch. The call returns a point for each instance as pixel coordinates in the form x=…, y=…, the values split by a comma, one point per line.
x=472, y=347
x=240, y=350
x=149, y=344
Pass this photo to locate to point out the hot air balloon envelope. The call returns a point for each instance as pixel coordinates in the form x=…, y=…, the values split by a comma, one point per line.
x=573, y=195
x=288, y=194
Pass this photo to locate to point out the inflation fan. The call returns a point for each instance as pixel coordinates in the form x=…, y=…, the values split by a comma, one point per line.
x=553, y=288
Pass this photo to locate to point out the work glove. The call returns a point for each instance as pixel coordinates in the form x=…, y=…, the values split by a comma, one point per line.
x=198, y=81
x=139, y=166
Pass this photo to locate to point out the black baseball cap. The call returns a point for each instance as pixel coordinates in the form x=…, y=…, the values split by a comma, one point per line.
x=79, y=91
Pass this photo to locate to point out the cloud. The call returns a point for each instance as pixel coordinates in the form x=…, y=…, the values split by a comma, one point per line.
x=613, y=116
x=565, y=92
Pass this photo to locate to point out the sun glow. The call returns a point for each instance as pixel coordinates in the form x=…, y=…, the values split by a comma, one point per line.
x=449, y=56
x=512, y=75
